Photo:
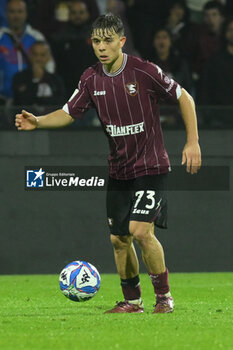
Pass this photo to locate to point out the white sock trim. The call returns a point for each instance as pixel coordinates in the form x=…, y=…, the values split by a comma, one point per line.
x=135, y=302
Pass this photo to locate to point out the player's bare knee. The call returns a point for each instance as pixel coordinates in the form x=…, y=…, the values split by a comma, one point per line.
x=141, y=231
x=120, y=242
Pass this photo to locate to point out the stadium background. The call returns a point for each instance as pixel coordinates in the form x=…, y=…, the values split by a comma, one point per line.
x=41, y=232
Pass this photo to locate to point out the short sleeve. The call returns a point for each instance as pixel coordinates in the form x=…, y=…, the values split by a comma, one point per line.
x=80, y=102
x=164, y=87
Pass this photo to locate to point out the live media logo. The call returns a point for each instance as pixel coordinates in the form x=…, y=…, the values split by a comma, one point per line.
x=85, y=178
x=63, y=178
x=35, y=178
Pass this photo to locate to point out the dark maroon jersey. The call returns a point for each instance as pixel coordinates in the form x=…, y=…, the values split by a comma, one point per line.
x=127, y=105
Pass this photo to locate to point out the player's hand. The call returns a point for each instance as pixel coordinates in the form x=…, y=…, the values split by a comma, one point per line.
x=25, y=121
x=192, y=157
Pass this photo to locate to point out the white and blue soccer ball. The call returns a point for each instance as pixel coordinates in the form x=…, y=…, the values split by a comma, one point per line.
x=79, y=281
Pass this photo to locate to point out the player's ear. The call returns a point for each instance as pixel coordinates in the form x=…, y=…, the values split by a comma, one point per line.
x=122, y=41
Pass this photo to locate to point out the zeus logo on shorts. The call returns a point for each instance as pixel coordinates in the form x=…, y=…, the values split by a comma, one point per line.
x=141, y=211
x=114, y=130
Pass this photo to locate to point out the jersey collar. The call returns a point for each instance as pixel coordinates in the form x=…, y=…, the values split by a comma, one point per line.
x=125, y=57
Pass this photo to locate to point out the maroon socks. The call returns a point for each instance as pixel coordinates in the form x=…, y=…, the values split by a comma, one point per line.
x=160, y=282
x=131, y=288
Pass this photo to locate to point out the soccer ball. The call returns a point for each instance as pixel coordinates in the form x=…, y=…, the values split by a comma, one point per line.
x=79, y=281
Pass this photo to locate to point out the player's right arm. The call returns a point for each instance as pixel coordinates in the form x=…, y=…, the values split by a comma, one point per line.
x=56, y=119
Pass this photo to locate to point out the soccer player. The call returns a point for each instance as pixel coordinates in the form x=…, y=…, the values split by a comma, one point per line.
x=126, y=91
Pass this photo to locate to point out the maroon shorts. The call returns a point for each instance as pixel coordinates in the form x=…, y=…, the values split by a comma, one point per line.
x=140, y=199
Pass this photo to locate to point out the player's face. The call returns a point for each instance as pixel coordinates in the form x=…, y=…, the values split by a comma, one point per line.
x=16, y=14
x=107, y=46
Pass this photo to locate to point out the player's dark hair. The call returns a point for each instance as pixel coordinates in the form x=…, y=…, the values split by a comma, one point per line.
x=214, y=5
x=108, y=23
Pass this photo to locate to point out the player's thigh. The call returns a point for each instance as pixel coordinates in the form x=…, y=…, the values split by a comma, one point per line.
x=118, y=202
x=141, y=230
x=121, y=242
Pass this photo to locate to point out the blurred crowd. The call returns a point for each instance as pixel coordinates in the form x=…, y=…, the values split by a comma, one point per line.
x=45, y=45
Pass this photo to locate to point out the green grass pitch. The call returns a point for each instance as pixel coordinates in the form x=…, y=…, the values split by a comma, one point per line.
x=34, y=315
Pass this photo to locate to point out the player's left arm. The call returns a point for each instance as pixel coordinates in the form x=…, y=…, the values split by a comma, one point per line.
x=191, y=154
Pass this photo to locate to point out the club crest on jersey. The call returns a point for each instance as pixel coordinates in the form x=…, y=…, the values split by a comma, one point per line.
x=132, y=88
